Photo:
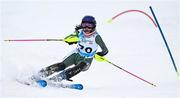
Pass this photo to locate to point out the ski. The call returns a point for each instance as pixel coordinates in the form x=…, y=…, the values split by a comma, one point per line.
x=44, y=83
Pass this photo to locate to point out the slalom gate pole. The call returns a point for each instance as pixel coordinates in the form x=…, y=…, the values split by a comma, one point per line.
x=22, y=40
x=129, y=11
x=130, y=73
x=164, y=39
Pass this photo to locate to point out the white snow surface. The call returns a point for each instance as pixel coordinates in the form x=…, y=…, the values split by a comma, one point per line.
x=134, y=44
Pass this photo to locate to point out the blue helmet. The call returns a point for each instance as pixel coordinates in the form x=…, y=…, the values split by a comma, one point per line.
x=89, y=19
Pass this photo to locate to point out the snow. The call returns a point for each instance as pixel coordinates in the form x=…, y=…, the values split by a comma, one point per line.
x=134, y=44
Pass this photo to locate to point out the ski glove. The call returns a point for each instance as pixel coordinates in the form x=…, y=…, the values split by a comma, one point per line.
x=78, y=27
x=99, y=58
x=71, y=39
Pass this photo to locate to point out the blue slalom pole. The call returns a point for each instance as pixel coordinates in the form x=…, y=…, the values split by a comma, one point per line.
x=169, y=51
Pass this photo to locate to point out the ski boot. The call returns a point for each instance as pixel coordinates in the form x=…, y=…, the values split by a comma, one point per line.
x=45, y=72
x=59, y=77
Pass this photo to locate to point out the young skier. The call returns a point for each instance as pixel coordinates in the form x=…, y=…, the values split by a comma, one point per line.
x=87, y=40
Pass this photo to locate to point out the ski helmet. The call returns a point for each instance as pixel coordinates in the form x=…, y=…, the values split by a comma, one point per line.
x=89, y=19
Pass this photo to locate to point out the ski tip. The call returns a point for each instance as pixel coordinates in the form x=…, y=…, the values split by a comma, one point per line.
x=77, y=86
x=42, y=83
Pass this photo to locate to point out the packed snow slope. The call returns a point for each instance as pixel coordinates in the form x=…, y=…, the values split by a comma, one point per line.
x=134, y=44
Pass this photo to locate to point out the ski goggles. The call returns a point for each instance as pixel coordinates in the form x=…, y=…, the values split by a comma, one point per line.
x=88, y=25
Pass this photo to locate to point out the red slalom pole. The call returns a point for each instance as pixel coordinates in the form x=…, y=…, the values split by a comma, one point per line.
x=22, y=40
x=128, y=11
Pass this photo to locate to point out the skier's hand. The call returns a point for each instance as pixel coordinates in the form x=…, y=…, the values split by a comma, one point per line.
x=100, y=53
x=71, y=39
x=99, y=58
x=70, y=43
x=78, y=27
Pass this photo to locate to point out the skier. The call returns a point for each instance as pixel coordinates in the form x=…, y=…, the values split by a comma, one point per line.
x=87, y=40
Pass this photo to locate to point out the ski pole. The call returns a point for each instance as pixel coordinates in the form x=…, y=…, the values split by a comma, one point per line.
x=34, y=40
x=100, y=58
x=131, y=73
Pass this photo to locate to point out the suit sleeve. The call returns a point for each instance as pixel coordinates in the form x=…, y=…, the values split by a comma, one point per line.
x=100, y=42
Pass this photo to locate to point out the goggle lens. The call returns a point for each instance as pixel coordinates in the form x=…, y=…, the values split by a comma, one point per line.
x=89, y=25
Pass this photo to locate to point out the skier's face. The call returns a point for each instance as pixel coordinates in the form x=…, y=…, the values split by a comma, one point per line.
x=88, y=31
x=88, y=28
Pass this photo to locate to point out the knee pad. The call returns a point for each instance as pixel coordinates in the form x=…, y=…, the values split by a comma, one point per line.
x=57, y=67
x=74, y=70
x=81, y=65
x=61, y=66
x=84, y=66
